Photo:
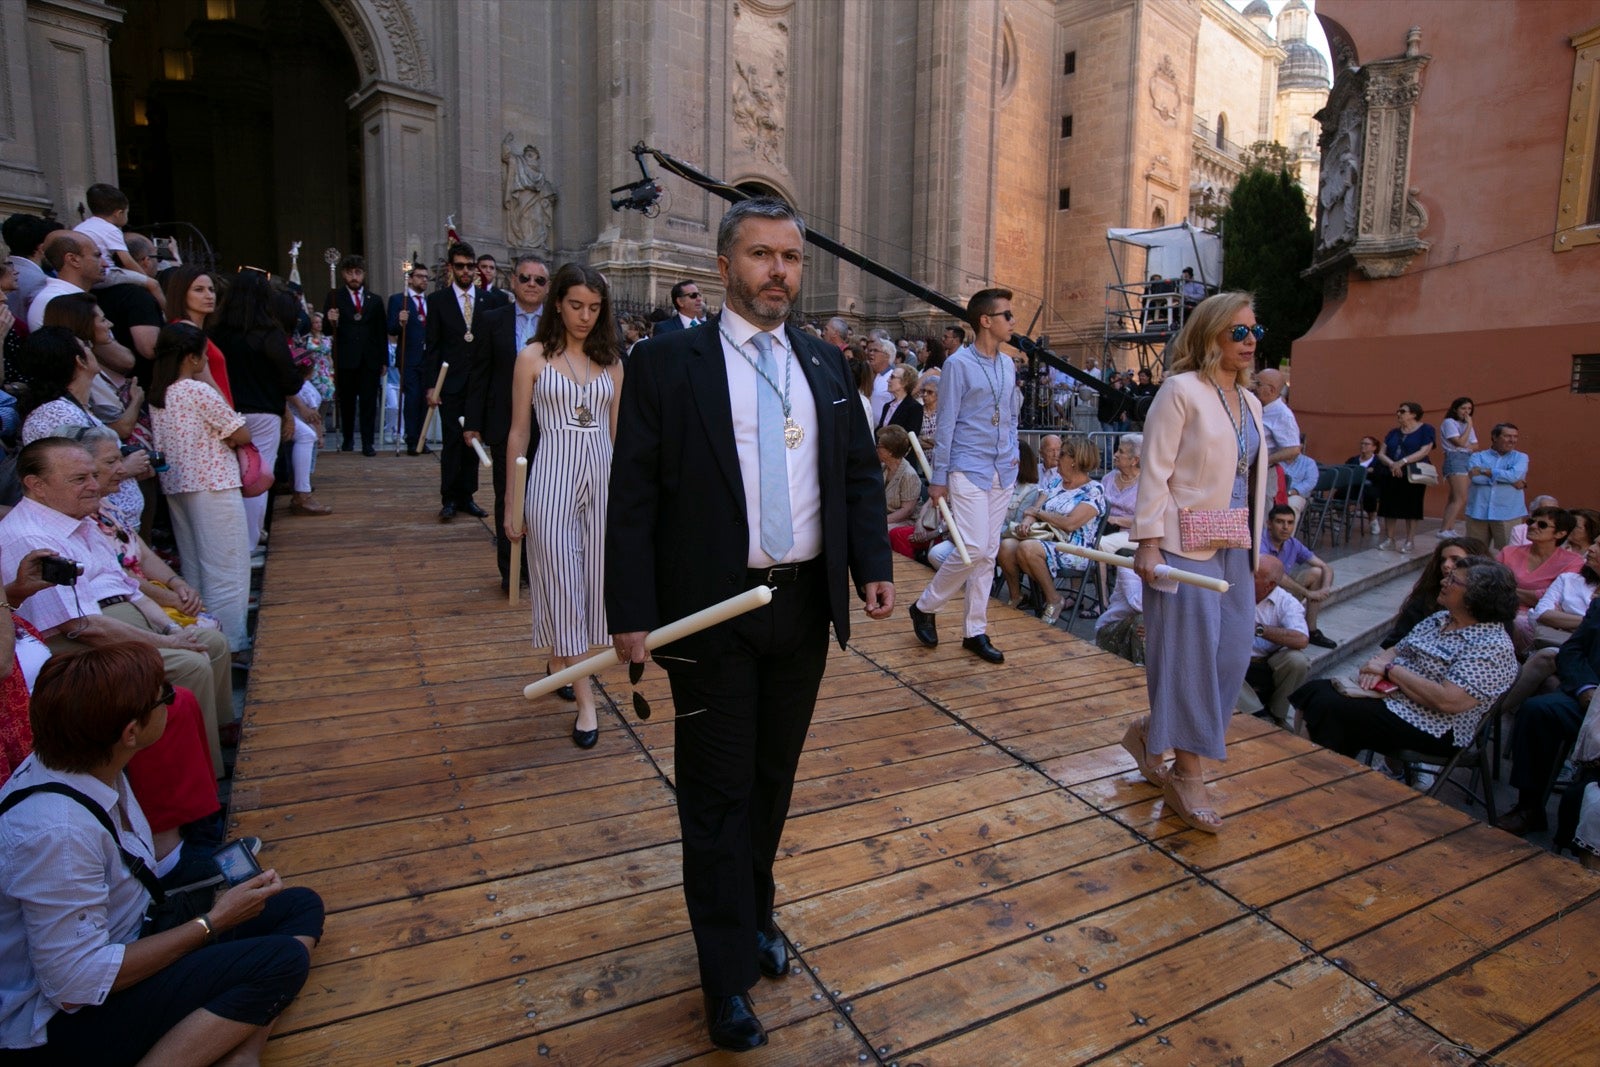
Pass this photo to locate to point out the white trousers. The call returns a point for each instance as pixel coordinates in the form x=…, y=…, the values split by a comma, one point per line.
x=210, y=530
x=265, y=431
x=304, y=456
x=979, y=513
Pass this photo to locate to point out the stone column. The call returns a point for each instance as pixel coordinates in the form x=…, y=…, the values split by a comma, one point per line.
x=21, y=178
x=399, y=127
x=69, y=69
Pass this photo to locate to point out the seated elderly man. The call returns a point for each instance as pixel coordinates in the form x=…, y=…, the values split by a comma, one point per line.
x=1278, y=664
x=1304, y=573
x=61, y=498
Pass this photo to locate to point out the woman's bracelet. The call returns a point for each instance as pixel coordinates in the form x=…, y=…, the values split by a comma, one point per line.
x=205, y=924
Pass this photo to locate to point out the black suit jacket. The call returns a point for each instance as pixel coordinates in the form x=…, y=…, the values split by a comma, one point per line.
x=360, y=345
x=416, y=330
x=677, y=537
x=494, y=358
x=666, y=326
x=445, y=339
x=908, y=416
x=1578, y=662
x=491, y=298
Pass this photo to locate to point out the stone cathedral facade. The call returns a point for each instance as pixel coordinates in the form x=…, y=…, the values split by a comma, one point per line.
x=961, y=142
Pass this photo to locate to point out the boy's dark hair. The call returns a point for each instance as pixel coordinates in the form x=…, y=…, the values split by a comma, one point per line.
x=105, y=199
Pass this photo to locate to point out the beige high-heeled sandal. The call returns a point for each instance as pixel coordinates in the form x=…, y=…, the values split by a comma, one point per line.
x=1150, y=765
x=1196, y=811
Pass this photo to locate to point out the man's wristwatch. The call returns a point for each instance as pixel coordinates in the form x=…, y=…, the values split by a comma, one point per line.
x=1261, y=631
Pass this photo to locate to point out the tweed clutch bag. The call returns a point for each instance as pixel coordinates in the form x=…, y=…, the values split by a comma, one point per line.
x=1204, y=529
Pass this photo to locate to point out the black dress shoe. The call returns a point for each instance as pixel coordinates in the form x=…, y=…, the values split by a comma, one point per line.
x=369, y=451
x=772, y=955
x=732, y=1023
x=447, y=513
x=1322, y=640
x=1522, y=823
x=424, y=451
x=411, y=451
x=472, y=509
x=979, y=646
x=348, y=446
x=566, y=692
x=585, y=738
x=924, y=626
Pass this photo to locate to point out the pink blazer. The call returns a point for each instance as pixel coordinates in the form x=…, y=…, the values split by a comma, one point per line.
x=1188, y=461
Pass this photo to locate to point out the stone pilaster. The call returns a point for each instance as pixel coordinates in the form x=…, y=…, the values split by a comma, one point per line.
x=69, y=69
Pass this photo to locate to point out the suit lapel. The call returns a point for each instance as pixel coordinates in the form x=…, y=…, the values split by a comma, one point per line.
x=708, y=381
x=822, y=396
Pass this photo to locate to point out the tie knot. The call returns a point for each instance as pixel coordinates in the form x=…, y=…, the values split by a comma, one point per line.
x=763, y=343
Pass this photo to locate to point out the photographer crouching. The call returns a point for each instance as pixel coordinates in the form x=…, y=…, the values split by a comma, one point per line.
x=90, y=972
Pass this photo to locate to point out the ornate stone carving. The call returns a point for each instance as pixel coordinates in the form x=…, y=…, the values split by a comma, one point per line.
x=403, y=41
x=761, y=85
x=1164, y=94
x=529, y=197
x=1368, y=215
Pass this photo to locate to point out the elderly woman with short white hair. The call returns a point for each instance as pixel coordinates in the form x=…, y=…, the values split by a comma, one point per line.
x=1121, y=485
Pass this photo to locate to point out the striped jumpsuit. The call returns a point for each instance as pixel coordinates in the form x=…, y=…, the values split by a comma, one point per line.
x=566, y=512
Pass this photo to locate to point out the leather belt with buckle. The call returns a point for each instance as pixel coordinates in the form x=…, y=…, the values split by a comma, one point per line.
x=110, y=600
x=782, y=574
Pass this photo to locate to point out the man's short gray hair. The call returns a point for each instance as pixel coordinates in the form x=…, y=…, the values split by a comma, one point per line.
x=759, y=207
x=528, y=257
x=839, y=326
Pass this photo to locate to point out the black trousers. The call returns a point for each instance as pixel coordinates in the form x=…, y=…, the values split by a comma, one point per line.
x=735, y=771
x=358, y=389
x=502, y=543
x=413, y=403
x=458, y=463
x=1350, y=725
x=1545, y=724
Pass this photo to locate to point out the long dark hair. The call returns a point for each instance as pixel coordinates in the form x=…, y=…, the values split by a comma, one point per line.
x=1455, y=407
x=173, y=344
x=1426, y=591
x=1027, y=465
x=177, y=292
x=75, y=311
x=49, y=360
x=601, y=344
x=248, y=305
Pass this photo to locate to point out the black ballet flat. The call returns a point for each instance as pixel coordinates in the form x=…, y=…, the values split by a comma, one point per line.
x=585, y=738
x=566, y=692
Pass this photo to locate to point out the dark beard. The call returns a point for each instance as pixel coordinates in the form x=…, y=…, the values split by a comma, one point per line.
x=770, y=309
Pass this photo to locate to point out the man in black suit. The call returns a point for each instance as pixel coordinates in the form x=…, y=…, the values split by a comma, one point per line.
x=408, y=323
x=360, y=352
x=689, y=306
x=490, y=295
x=742, y=458
x=452, y=315
x=506, y=331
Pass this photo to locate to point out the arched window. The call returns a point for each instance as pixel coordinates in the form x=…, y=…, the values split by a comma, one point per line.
x=1222, y=131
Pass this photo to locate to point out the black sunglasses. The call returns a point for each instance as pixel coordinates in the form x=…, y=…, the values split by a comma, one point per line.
x=1008, y=316
x=1541, y=524
x=1239, y=333
x=528, y=278
x=468, y=265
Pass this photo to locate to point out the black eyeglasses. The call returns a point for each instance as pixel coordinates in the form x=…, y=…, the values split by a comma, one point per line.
x=168, y=696
x=1239, y=333
x=529, y=279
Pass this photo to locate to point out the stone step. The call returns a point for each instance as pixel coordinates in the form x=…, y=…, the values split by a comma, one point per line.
x=1358, y=622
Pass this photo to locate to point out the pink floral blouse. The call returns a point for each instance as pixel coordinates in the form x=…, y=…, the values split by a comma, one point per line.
x=190, y=430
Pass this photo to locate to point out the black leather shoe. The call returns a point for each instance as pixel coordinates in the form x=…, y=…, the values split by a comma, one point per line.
x=348, y=446
x=979, y=646
x=924, y=626
x=566, y=692
x=772, y=955
x=732, y=1023
x=472, y=509
x=447, y=513
x=369, y=451
x=585, y=738
x=1522, y=823
x=1322, y=640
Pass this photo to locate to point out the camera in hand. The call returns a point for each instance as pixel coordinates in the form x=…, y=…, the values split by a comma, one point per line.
x=158, y=458
x=58, y=571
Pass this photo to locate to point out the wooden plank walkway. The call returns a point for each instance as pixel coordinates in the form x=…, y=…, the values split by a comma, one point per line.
x=972, y=874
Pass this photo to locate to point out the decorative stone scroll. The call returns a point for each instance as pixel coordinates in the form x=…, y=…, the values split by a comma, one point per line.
x=1164, y=95
x=1368, y=215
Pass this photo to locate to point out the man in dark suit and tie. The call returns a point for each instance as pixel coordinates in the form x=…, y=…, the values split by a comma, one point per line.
x=449, y=337
x=742, y=458
x=490, y=295
x=360, y=353
x=506, y=331
x=690, y=309
x=408, y=322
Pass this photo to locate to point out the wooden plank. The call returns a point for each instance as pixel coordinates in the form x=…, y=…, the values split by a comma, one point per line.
x=1390, y=1036
x=1096, y=1016
x=1511, y=990
x=1264, y=1023
x=1571, y=1036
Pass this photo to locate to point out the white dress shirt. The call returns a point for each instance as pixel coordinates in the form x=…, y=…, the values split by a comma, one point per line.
x=805, y=486
x=1280, y=609
x=31, y=525
x=880, y=392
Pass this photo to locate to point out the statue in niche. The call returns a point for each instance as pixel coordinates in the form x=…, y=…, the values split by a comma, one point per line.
x=1340, y=190
x=529, y=197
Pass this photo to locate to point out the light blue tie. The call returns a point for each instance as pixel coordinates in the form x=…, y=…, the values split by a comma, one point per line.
x=777, y=529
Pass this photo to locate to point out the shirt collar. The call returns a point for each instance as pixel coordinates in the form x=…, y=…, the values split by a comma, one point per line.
x=50, y=519
x=460, y=292
x=739, y=331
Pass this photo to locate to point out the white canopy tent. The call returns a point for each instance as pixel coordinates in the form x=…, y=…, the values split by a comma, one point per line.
x=1169, y=249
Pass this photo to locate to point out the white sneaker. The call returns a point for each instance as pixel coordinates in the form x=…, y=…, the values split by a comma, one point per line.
x=1376, y=528
x=1386, y=546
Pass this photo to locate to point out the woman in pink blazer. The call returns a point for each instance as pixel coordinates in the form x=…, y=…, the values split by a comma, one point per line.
x=1202, y=450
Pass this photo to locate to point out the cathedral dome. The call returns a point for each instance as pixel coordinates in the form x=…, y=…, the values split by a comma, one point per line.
x=1258, y=9
x=1303, y=68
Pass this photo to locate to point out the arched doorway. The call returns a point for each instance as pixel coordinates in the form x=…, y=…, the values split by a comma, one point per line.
x=231, y=116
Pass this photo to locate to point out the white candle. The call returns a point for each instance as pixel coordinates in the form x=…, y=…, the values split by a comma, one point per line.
x=477, y=445
x=944, y=507
x=1162, y=570
x=433, y=409
x=704, y=619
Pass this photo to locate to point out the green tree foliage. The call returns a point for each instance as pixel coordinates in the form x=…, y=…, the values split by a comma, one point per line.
x=1267, y=240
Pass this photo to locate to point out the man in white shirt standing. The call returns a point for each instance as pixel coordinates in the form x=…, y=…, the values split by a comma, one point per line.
x=974, y=468
x=881, y=355
x=78, y=266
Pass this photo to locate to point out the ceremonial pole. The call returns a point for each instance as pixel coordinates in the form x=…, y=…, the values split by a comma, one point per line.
x=944, y=506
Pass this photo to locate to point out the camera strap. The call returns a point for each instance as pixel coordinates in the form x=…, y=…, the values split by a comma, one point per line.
x=136, y=866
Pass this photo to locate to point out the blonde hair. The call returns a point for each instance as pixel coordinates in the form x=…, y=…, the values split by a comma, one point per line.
x=1198, y=346
x=1083, y=453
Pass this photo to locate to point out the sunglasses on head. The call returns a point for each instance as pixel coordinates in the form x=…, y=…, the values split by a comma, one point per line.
x=527, y=279
x=1239, y=333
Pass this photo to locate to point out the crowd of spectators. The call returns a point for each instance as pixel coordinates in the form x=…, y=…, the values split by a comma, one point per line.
x=140, y=393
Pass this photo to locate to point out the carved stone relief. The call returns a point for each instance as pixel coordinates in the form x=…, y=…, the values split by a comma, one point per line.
x=412, y=65
x=529, y=197
x=1368, y=215
x=761, y=84
x=1164, y=94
